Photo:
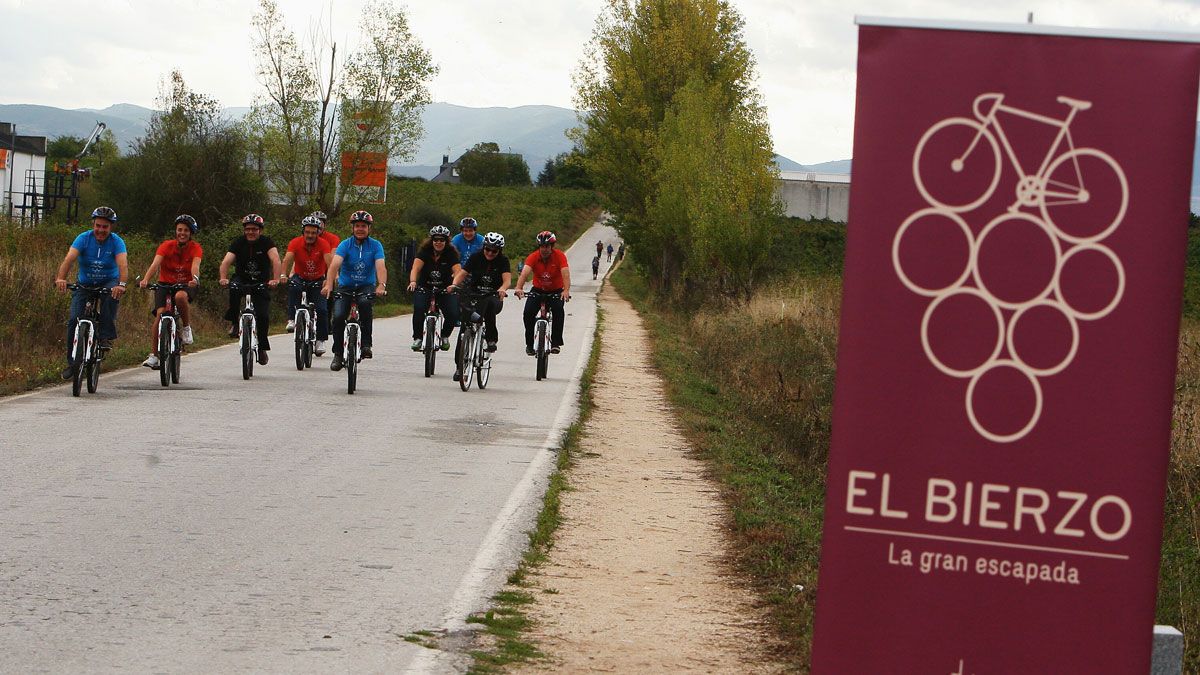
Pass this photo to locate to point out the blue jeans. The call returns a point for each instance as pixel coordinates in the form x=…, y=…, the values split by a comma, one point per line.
x=108, y=315
x=341, y=311
x=447, y=302
x=293, y=300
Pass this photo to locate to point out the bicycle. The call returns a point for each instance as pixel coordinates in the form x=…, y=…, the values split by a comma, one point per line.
x=306, y=322
x=541, y=331
x=247, y=328
x=86, y=353
x=170, y=339
x=431, y=337
x=1057, y=188
x=352, y=337
x=474, y=361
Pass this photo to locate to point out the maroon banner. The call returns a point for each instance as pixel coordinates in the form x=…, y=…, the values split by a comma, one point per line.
x=1006, y=363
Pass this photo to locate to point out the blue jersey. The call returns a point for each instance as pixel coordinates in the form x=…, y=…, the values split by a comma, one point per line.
x=466, y=249
x=98, y=261
x=358, y=261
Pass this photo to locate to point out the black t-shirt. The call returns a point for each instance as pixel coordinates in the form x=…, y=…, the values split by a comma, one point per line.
x=253, y=265
x=437, y=274
x=486, y=275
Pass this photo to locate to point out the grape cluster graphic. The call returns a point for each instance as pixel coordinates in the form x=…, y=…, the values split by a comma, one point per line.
x=1059, y=187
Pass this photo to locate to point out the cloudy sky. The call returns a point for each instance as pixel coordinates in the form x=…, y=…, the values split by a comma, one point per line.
x=92, y=53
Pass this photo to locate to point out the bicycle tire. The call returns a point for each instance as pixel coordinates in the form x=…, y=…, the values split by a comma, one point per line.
x=301, y=338
x=465, y=353
x=93, y=375
x=351, y=358
x=431, y=345
x=950, y=192
x=1059, y=218
x=164, y=351
x=308, y=354
x=175, y=359
x=543, y=354
x=82, y=333
x=483, y=372
x=247, y=348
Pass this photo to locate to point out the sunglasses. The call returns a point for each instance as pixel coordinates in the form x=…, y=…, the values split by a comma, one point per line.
x=491, y=249
x=439, y=239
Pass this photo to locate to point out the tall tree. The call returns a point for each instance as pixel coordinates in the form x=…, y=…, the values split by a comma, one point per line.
x=642, y=53
x=322, y=113
x=484, y=165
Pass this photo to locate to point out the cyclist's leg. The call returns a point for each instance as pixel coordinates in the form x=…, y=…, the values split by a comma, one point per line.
x=322, y=317
x=183, y=302
x=341, y=309
x=530, y=315
x=420, y=306
x=491, y=308
x=558, y=313
x=235, y=300
x=262, y=319
x=293, y=296
x=450, y=311
x=78, y=302
x=108, y=314
x=366, y=315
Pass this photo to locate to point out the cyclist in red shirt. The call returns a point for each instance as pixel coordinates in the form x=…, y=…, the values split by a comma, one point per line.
x=308, y=257
x=177, y=261
x=550, y=272
x=326, y=236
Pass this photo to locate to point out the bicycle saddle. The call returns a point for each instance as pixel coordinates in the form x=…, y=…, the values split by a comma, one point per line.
x=1074, y=102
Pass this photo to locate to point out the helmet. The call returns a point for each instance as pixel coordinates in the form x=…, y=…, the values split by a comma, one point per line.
x=253, y=219
x=439, y=231
x=493, y=239
x=321, y=218
x=361, y=217
x=189, y=221
x=546, y=237
x=310, y=221
x=105, y=213
x=468, y=222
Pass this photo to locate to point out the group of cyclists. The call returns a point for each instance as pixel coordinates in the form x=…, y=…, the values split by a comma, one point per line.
x=471, y=262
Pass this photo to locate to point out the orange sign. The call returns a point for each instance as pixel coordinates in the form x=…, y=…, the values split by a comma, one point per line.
x=365, y=169
x=5, y=156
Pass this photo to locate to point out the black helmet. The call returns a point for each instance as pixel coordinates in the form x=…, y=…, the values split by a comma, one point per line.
x=189, y=221
x=105, y=213
x=253, y=219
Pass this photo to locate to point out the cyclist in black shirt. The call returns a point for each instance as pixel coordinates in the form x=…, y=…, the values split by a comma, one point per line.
x=256, y=260
x=488, y=271
x=435, y=265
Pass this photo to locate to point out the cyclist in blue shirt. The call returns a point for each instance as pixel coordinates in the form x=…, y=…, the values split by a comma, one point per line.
x=466, y=241
x=102, y=262
x=359, y=268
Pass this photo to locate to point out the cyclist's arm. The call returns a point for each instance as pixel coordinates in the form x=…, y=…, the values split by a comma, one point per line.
x=330, y=274
x=289, y=263
x=122, y=274
x=460, y=276
x=276, y=266
x=195, y=272
x=150, y=271
x=60, y=277
x=223, y=270
x=505, y=283
x=380, y=277
x=415, y=274
x=526, y=271
x=566, y=292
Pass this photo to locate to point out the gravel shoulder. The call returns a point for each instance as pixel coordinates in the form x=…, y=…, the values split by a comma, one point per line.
x=639, y=577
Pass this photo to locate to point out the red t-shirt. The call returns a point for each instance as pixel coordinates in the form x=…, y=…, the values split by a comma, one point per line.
x=331, y=239
x=176, y=265
x=547, y=275
x=310, y=262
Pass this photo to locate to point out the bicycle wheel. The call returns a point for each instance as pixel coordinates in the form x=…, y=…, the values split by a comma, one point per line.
x=247, y=347
x=308, y=353
x=93, y=375
x=949, y=167
x=1083, y=195
x=431, y=344
x=175, y=359
x=83, y=332
x=301, y=339
x=351, y=358
x=464, y=364
x=483, y=367
x=164, y=351
x=543, y=352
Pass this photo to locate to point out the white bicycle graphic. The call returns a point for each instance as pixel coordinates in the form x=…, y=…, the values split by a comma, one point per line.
x=957, y=166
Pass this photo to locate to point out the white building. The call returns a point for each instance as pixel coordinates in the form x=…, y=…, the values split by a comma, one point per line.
x=814, y=196
x=19, y=155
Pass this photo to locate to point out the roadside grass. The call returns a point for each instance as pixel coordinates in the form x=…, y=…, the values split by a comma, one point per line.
x=506, y=621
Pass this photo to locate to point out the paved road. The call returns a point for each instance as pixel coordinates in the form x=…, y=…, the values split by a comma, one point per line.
x=277, y=524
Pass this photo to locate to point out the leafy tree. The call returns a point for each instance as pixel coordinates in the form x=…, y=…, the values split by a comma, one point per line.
x=642, y=54
x=190, y=161
x=63, y=149
x=565, y=171
x=484, y=165
x=320, y=108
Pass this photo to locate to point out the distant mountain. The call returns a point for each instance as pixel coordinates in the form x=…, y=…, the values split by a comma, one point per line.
x=127, y=121
x=837, y=166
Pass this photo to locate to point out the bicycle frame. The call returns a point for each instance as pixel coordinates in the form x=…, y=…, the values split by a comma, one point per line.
x=90, y=316
x=434, y=322
x=990, y=118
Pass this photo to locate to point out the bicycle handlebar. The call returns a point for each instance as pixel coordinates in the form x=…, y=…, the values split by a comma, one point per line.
x=371, y=295
x=167, y=287
x=238, y=286
x=86, y=288
x=306, y=283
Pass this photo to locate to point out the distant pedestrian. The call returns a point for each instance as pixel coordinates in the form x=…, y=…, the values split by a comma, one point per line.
x=621, y=251
x=595, y=266
x=610, y=250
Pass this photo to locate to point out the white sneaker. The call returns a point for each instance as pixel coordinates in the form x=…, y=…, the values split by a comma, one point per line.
x=152, y=362
x=187, y=335
x=291, y=327
x=319, y=348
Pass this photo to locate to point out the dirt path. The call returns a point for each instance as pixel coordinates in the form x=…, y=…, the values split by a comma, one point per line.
x=637, y=580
